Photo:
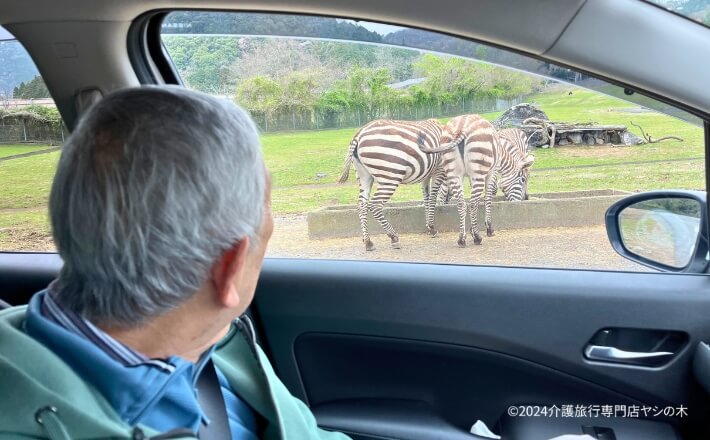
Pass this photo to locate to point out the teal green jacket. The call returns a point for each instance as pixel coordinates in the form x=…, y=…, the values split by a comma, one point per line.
x=42, y=398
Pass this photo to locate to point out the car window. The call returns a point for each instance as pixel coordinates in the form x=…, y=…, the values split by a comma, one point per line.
x=313, y=83
x=696, y=10
x=31, y=136
x=328, y=93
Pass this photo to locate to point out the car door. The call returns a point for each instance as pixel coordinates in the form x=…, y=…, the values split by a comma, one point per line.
x=431, y=338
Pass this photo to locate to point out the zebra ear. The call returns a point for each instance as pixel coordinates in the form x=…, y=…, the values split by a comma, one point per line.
x=527, y=162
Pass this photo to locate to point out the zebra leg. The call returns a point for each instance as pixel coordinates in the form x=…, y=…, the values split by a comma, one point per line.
x=491, y=189
x=456, y=191
x=428, y=201
x=365, y=183
x=382, y=194
x=444, y=194
x=494, y=185
x=477, y=189
x=433, y=196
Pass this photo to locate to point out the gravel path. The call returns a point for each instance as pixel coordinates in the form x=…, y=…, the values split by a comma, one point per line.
x=31, y=153
x=582, y=247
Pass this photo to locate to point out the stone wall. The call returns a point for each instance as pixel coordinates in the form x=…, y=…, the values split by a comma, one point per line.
x=562, y=209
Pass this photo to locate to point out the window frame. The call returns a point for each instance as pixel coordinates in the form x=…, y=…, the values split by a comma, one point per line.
x=153, y=64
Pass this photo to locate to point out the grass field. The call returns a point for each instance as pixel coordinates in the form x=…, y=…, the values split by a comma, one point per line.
x=13, y=150
x=306, y=164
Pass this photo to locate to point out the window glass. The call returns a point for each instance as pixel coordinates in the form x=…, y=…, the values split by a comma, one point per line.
x=696, y=10
x=31, y=135
x=312, y=83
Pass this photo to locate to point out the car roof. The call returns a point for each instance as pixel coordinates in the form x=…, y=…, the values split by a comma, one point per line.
x=627, y=41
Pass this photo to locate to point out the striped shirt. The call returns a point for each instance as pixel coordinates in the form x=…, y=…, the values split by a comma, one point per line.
x=117, y=350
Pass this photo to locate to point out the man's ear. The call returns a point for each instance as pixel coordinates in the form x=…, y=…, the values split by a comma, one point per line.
x=227, y=271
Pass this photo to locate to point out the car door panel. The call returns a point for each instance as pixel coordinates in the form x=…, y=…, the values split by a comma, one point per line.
x=363, y=342
x=470, y=341
x=22, y=274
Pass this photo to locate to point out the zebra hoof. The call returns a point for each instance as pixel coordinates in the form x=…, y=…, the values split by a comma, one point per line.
x=396, y=245
x=461, y=243
x=369, y=246
x=490, y=233
x=477, y=239
x=431, y=231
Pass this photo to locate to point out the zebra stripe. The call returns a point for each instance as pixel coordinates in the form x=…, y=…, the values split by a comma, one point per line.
x=391, y=153
x=514, y=167
x=484, y=156
x=475, y=157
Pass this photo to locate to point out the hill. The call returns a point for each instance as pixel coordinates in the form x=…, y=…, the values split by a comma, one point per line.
x=16, y=66
x=194, y=22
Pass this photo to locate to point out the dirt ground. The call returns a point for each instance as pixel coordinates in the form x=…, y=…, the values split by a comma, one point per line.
x=582, y=247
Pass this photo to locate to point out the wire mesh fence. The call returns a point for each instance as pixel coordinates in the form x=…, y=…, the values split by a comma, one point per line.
x=32, y=132
x=294, y=119
x=52, y=133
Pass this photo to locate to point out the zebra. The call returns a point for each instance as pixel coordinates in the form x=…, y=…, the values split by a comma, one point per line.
x=480, y=155
x=391, y=153
x=513, y=169
x=515, y=183
x=512, y=192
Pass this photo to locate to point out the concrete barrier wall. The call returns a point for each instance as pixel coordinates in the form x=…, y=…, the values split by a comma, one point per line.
x=565, y=209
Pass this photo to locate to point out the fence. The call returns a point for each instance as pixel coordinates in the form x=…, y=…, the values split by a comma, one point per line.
x=20, y=131
x=315, y=120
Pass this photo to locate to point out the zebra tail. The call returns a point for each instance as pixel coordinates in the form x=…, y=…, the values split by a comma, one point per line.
x=446, y=147
x=348, y=161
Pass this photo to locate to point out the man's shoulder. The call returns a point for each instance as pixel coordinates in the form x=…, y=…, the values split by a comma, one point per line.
x=27, y=357
x=12, y=336
x=36, y=378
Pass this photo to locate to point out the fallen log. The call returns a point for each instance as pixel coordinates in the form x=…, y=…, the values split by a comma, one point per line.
x=650, y=140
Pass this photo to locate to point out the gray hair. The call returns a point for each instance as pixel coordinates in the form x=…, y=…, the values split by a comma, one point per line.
x=152, y=187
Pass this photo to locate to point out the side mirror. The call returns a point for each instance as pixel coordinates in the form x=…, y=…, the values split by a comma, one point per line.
x=664, y=230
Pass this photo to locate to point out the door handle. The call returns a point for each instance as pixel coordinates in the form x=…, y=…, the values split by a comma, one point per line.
x=612, y=354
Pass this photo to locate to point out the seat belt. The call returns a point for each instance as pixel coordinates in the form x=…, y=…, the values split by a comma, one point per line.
x=209, y=394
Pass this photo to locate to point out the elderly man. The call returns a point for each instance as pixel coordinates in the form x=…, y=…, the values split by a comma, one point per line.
x=160, y=209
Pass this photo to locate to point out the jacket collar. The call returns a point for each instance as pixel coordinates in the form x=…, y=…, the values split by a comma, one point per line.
x=140, y=391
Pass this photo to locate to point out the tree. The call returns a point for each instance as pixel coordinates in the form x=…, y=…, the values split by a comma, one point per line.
x=509, y=83
x=451, y=79
x=277, y=58
x=332, y=103
x=33, y=89
x=301, y=90
x=204, y=62
x=260, y=95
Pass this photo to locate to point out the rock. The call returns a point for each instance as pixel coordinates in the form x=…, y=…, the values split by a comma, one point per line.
x=629, y=138
x=563, y=142
x=535, y=139
x=599, y=140
x=588, y=139
x=514, y=116
x=575, y=138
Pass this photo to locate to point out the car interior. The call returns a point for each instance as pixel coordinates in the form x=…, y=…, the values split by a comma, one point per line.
x=419, y=351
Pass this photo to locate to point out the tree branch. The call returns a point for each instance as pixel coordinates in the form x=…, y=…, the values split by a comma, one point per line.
x=650, y=140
